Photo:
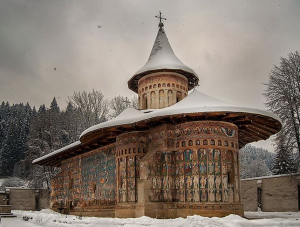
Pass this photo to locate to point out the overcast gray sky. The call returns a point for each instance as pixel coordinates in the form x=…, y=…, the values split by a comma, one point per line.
x=231, y=45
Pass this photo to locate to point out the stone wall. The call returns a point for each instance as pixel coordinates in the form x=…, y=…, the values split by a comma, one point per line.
x=278, y=193
x=28, y=199
x=2, y=196
x=249, y=195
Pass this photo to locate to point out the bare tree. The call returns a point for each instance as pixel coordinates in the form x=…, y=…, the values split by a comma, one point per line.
x=92, y=106
x=283, y=98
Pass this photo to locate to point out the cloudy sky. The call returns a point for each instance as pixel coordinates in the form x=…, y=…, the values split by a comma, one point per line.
x=53, y=48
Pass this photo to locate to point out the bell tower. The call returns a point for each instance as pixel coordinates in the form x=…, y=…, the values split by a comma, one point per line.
x=164, y=80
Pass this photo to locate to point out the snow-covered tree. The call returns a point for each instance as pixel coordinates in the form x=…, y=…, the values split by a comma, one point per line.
x=283, y=161
x=283, y=98
x=255, y=162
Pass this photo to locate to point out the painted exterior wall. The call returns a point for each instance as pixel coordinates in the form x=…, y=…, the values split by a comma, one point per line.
x=168, y=171
x=279, y=193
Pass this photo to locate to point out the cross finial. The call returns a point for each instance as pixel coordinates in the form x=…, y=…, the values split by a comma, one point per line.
x=159, y=16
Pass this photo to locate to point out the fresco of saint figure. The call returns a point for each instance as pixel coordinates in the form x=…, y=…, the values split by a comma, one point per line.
x=189, y=182
x=217, y=155
x=177, y=183
x=217, y=168
x=195, y=167
x=195, y=181
x=188, y=168
x=211, y=168
x=211, y=195
x=211, y=181
x=202, y=168
x=196, y=195
x=181, y=182
x=210, y=154
x=203, y=182
x=189, y=195
x=202, y=154
x=218, y=195
x=218, y=182
x=203, y=195
x=153, y=182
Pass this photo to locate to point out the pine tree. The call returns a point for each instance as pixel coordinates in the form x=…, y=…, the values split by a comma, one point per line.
x=283, y=161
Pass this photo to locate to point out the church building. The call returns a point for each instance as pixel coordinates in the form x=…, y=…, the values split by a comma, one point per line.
x=177, y=155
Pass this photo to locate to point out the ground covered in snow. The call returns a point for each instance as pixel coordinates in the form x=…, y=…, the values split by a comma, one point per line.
x=48, y=218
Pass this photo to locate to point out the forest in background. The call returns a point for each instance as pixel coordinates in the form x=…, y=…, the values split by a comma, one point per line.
x=27, y=133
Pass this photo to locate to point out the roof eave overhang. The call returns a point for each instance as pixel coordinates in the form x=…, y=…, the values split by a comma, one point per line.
x=192, y=78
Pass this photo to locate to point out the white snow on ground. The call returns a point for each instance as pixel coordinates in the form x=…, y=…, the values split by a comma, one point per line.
x=48, y=218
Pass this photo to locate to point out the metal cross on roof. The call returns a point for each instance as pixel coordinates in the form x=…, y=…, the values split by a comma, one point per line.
x=126, y=100
x=159, y=16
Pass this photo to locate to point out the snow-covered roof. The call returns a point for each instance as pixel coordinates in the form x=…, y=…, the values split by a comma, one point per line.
x=72, y=145
x=162, y=56
x=196, y=102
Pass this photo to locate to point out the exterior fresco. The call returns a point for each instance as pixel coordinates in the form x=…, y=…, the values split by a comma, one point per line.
x=187, y=163
x=86, y=181
x=192, y=171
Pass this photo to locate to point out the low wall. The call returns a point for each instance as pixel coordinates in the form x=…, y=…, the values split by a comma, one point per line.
x=5, y=209
x=28, y=199
x=278, y=193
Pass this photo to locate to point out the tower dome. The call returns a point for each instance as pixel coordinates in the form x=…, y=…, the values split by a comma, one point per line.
x=162, y=62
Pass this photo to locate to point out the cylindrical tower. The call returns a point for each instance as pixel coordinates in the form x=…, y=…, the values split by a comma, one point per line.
x=164, y=80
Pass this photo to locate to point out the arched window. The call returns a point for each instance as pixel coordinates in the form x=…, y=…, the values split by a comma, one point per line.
x=153, y=100
x=226, y=143
x=159, y=85
x=173, y=85
x=170, y=95
x=168, y=85
x=154, y=86
x=164, y=85
x=178, y=96
x=150, y=87
x=161, y=99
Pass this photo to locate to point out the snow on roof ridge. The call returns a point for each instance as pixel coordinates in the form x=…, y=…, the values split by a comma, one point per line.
x=57, y=151
x=127, y=116
x=198, y=99
x=162, y=56
x=196, y=102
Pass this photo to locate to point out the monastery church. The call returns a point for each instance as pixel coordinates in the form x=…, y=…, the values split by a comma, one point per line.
x=177, y=155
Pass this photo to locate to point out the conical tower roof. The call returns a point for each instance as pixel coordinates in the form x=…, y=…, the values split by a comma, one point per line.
x=163, y=58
